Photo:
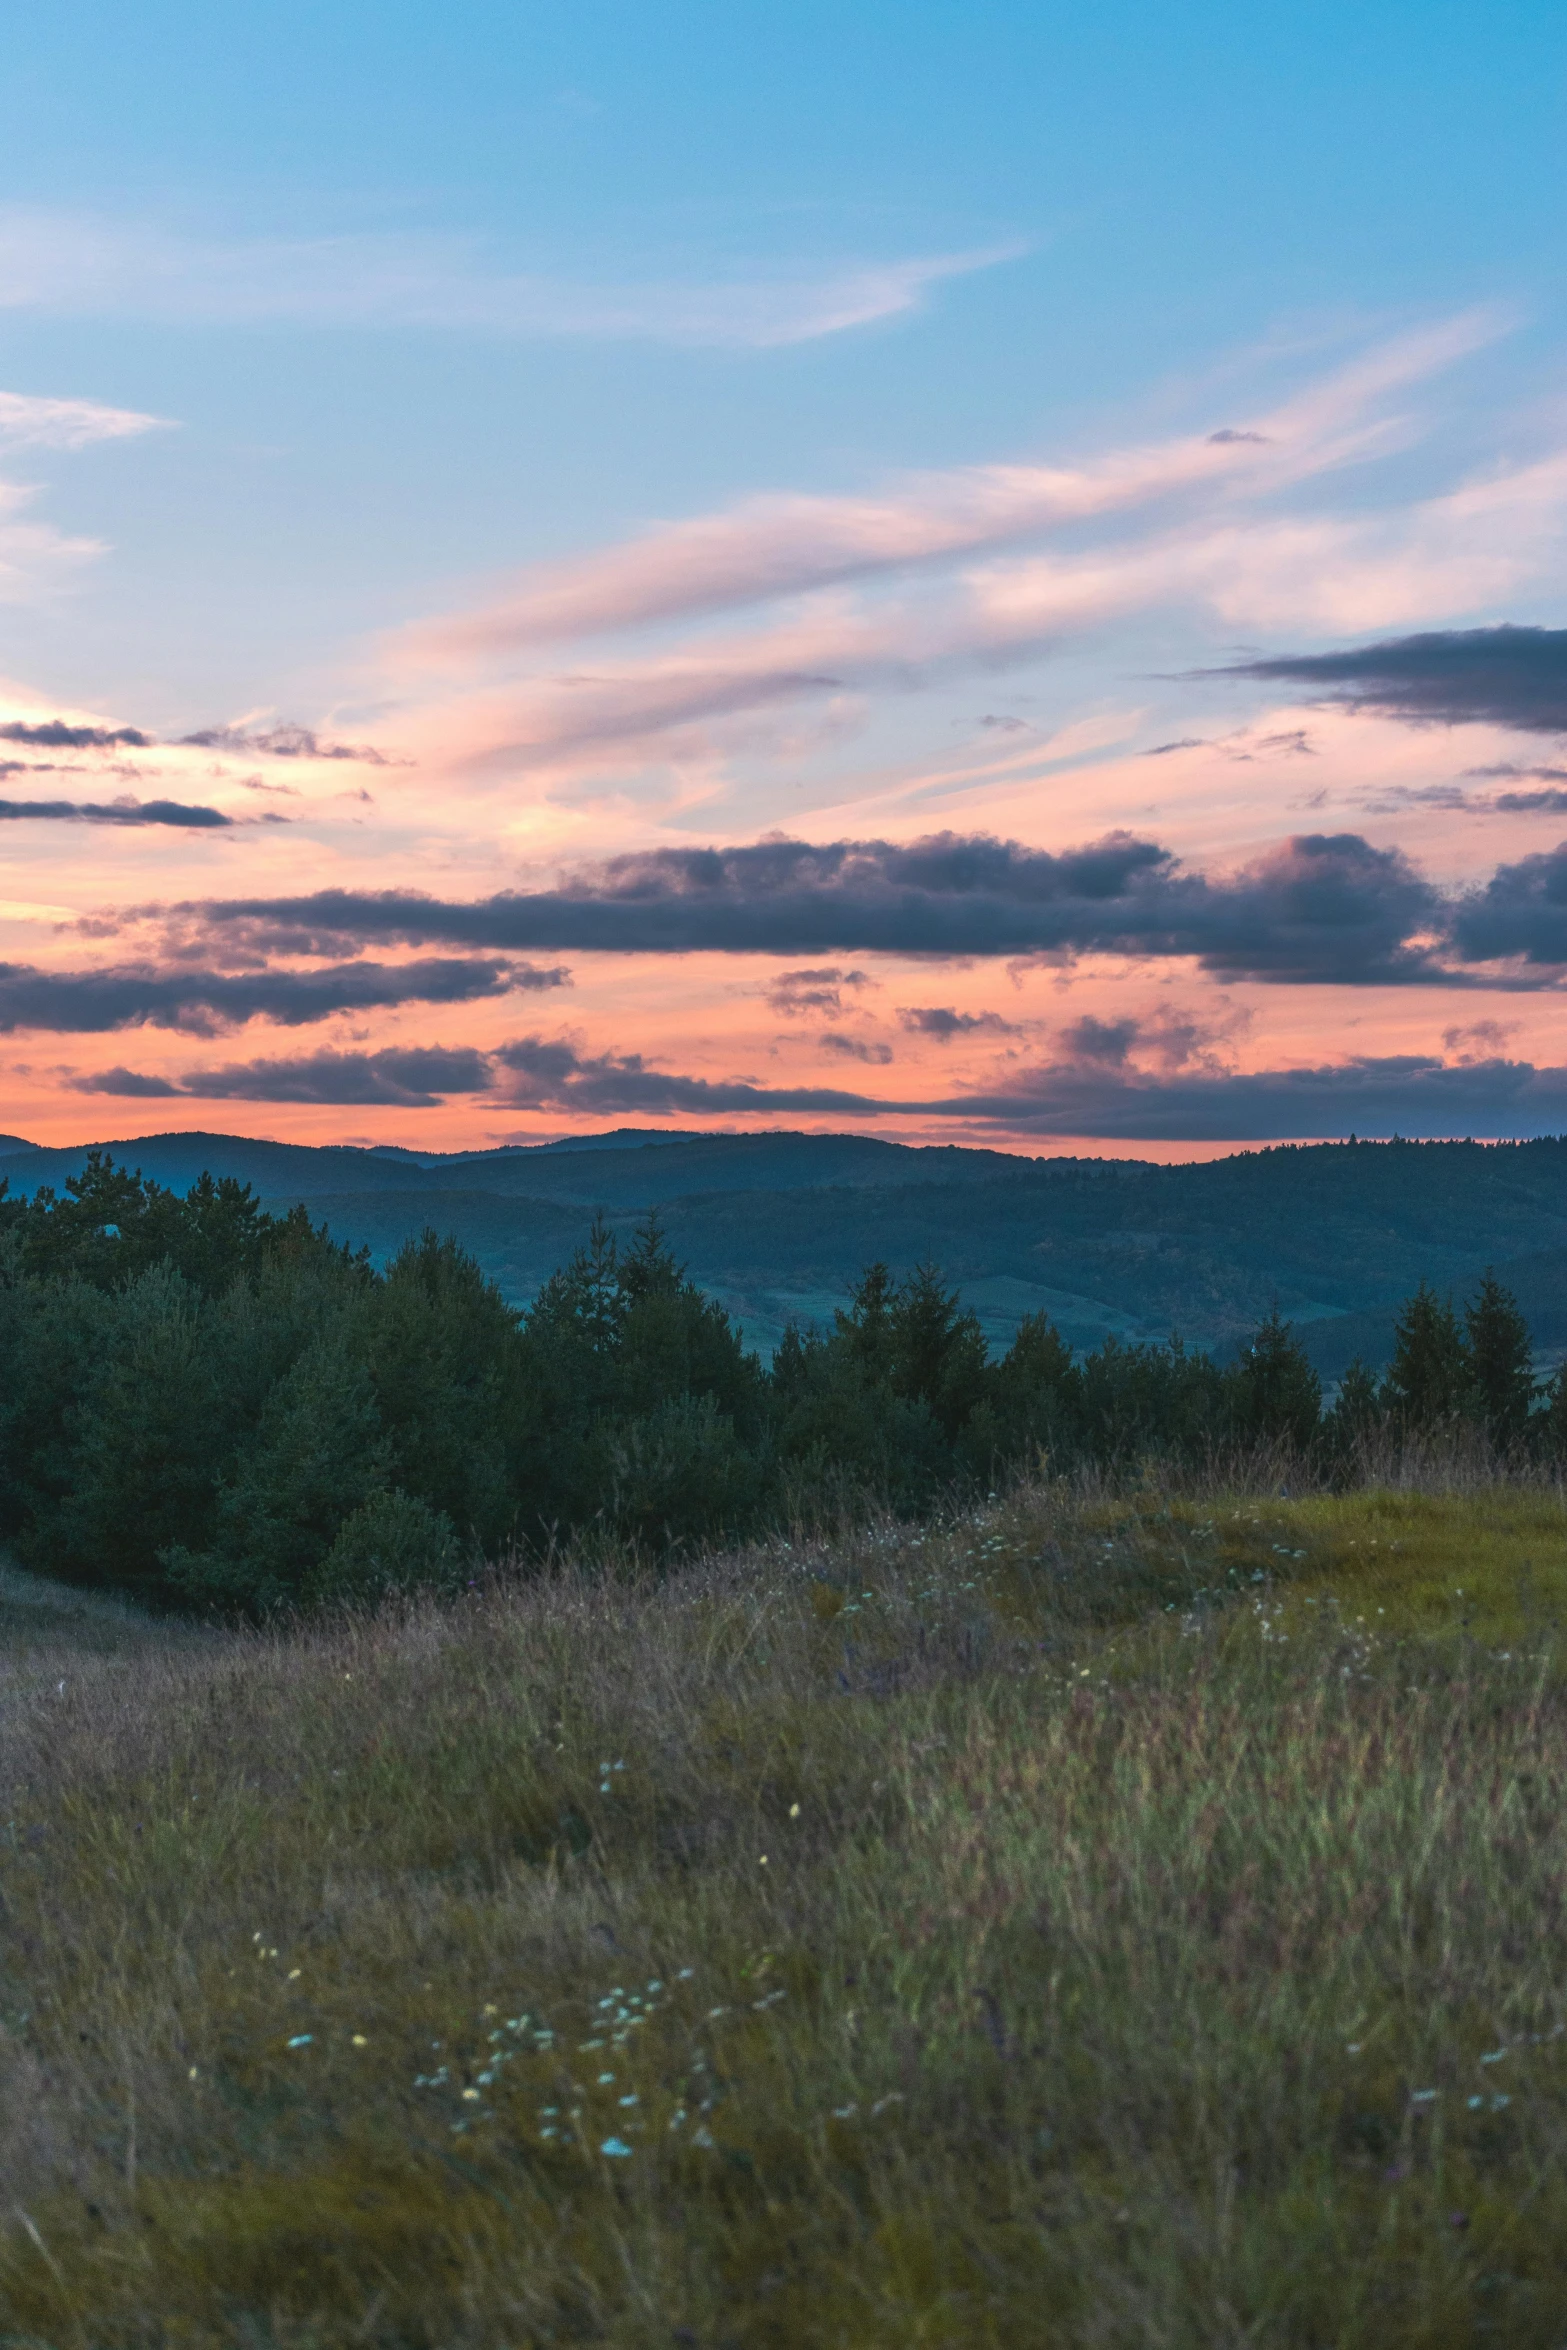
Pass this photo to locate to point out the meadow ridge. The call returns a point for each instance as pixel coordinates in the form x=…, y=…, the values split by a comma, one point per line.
x=1094, y=1919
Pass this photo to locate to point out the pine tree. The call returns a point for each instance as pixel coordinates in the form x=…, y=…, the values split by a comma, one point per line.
x=1501, y=1361
x=1274, y=1392
x=1428, y=1379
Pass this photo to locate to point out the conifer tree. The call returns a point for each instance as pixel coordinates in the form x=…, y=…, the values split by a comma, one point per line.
x=1501, y=1361
x=1428, y=1379
x=1356, y=1409
x=1274, y=1392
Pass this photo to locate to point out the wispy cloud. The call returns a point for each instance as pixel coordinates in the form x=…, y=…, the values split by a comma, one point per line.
x=35, y=558
x=778, y=545
x=30, y=422
x=83, y=265
x=289, y=741
x=1460, y=552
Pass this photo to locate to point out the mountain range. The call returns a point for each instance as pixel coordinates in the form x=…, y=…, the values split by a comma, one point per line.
x=777, y=1225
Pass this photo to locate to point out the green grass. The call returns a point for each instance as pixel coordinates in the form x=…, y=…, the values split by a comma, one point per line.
x=1096, y=1923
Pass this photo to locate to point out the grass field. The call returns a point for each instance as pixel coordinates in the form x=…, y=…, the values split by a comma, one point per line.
x=1096, y=1922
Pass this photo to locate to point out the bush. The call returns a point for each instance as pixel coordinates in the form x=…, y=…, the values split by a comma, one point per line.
x=391, y=1543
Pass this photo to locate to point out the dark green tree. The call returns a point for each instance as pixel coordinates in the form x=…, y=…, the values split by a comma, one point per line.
x=1274, y=1394
x=1427, y=1383
x=1355, y=1413
x=1501, y=1362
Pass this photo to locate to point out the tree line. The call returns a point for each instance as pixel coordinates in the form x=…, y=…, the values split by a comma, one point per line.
x=216, y=1407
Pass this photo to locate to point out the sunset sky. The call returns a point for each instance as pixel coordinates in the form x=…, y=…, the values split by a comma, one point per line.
x=984, y=573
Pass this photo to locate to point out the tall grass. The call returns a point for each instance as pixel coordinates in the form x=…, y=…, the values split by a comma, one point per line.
x=1101, y=1920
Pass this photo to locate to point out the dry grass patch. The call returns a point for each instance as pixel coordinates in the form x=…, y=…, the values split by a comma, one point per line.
x=1069, y=1926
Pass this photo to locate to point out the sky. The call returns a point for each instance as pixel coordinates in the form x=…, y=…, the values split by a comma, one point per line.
x=985, y=574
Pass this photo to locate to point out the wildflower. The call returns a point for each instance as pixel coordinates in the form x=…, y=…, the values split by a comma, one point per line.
x=631, y=2100
x=359, y=2040
x=605, y=2079
x=301, y=2040
x=616, y=2148
x=1423, y=2096
x=794, y=1811
x=294, y=1973
x=470, y=2096
x=194, y=2073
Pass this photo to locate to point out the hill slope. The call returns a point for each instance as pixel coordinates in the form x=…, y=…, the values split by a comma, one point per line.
x=778, y=1225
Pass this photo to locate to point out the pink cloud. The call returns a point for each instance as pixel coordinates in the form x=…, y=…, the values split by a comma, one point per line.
x=779, y=545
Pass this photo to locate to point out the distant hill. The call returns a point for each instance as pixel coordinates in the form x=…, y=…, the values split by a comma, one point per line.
x=778, y=1225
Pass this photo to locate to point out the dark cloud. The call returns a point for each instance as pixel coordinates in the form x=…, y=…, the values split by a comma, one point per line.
x=1551, y=801
x=126, y=811
x=132, y=1083
x=547, y=1074
x=819, y=990
x=1091, y=1093
x=202, y=1003
x=1103, y=1043
x=415, y=1078
x=1479, y=1040
x=284, y=742
x=532, y=1072
x=1507, y=676
x=1227, y=433
x=941, y=1024
x=855, y=1048
x=1521, y=912
x=1320, y=907
x=53, y=734
x=1508, y=771
x=1409, y=1094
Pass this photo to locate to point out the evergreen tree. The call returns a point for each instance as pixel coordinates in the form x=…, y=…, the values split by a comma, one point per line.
x=1274, y=1393
x=1501, y=1362
x=1356, y=1410
x=1427, y=1383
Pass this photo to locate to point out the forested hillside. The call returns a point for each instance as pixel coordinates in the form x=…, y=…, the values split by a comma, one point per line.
x=220, y=1408
x=777, y=1227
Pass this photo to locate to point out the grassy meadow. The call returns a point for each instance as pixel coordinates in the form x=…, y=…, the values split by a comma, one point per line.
x=1093, y=1921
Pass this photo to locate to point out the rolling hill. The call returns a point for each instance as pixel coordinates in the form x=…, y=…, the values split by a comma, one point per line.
x=778, y=1225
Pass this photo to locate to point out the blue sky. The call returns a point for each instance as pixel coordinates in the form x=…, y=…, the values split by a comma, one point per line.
x=399, y=307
